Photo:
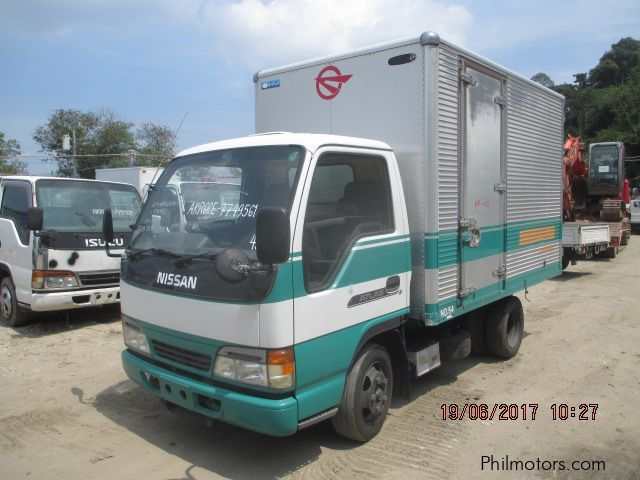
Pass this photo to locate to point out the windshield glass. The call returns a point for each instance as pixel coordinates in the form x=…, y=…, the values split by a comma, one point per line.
x=78, y=206
x=208, y=202
x=604, y=162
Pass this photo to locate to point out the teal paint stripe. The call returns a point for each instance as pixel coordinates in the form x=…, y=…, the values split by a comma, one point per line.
x=441, y=312
x=363, y=242
x=361, y=266
x=371, y=263
x=444, y=251
x=320, y=377
x=527, y=223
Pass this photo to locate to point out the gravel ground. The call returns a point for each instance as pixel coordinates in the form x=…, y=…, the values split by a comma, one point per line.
x=68, y=410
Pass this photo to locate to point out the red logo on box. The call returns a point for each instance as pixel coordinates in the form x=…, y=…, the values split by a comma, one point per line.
x=329, y=82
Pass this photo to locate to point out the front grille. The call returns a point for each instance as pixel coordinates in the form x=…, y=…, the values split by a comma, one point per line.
x=182, y=356
x=107, y=279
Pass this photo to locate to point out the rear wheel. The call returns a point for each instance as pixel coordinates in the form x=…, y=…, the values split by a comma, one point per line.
x=367, y=396
x=12, y=314
x=505, y=327
x=612, y=252
x=565, y=262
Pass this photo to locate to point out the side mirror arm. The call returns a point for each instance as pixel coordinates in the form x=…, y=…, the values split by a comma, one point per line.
x=107, y=233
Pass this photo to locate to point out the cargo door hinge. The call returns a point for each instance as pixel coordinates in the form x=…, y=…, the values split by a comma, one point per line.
x=501, y=272
x=500, y=187
x=467, y=79
x=498, y=100
x=465, y=292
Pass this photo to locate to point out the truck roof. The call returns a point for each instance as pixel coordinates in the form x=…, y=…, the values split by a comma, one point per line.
x=311, y=141
x=34, y=178
x=425, y=38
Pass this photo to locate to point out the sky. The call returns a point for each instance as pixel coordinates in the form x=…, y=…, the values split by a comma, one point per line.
x=159, y=60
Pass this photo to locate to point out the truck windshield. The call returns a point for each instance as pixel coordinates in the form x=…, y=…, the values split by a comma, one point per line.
x=207, y=202
x=78, y=206
x=603, y=163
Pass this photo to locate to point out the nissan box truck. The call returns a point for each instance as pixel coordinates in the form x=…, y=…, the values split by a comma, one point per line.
x=282, y=279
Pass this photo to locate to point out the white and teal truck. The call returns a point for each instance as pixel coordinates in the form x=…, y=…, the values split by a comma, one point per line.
x=282, y=279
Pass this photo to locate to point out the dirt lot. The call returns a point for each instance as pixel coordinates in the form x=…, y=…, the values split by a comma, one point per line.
x=68, y=411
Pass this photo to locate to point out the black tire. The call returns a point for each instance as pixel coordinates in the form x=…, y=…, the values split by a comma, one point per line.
x=11, y=313
x=505, y=327
x=612, y=252
x=565, y=263
x=360, y=418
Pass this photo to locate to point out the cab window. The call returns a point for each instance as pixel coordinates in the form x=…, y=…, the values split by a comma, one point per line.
x=16, y=200
x=349, y=199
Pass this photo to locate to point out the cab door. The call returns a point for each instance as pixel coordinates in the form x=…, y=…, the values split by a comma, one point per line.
x=351, y=265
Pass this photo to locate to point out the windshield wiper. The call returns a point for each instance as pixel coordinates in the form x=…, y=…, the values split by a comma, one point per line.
x=184, y=261
x=155, y=251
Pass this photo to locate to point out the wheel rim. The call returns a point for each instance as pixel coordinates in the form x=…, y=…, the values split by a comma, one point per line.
x=374, y=396
x=512, y=330
x=6, y=303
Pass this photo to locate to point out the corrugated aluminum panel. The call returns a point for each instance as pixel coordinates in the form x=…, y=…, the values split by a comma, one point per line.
x=534, y=166
x=448, y=168
x=538, y=256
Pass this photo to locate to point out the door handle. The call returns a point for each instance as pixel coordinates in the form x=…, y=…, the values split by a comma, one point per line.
x=393, y=284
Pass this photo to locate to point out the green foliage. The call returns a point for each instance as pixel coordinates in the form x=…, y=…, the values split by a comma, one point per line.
x=102, y=141
x=604, y=105
x=10, y=148
x=543, y=79
x=156, y=141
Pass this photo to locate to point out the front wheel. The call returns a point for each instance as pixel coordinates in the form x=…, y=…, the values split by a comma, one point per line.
x=367, y=396
x=12, y=314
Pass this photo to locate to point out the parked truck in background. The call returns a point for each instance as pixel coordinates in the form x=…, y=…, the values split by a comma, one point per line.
x=315, y=274
x=581, y=238
x=595, y=200
x=139, y=177
x=51, y=249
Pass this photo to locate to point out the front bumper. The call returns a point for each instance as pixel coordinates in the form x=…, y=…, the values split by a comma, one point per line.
x=45, y=302
x=272, y=417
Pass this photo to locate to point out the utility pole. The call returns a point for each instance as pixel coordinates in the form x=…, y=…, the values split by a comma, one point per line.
x=132, y=157
x=75, y=161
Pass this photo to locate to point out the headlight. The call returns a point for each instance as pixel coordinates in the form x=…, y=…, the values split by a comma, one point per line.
x=264, y=368
x=134, y=338
x=54, y=279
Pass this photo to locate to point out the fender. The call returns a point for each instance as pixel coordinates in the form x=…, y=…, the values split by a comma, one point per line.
x=390, y=334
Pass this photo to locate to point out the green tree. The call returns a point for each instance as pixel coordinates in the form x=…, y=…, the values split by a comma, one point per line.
x=156, y=143
x=617, y=65
x=100, y=140
x=543, y=79
x=10, y=148
x=604, y=105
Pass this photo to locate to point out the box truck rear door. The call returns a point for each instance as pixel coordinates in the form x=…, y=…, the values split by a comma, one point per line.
x=482, y=193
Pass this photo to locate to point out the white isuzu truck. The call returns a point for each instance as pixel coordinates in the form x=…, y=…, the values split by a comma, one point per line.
x=51, y=249
x=282, y=279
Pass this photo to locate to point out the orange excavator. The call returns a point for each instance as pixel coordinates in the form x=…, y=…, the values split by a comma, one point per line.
x=595, y=196
x=574, y=177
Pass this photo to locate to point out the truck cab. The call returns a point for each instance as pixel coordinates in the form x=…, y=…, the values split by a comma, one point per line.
x=271, y=332
x=59, y=264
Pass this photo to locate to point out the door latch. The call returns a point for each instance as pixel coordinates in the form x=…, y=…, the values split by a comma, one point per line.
x=500, y=272
x=470, y=224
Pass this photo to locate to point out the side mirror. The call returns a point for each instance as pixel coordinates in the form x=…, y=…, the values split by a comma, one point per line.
x=107, y=232
x=272, y=235
x=35, y=219
x=107, y=226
